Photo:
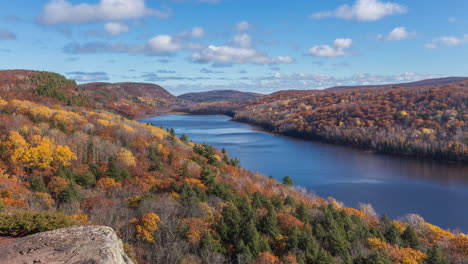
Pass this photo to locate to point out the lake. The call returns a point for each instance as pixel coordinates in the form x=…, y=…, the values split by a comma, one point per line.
x=438, y=191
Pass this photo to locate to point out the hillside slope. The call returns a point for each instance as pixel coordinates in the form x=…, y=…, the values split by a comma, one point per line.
x=429, y=121
x=129, y=99
x=219, y=95
x=173, y=201
x=428, y=82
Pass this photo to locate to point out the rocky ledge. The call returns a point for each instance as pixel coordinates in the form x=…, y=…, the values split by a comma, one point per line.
x=74, y=245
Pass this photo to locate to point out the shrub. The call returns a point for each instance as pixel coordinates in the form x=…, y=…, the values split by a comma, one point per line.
x=22, y=223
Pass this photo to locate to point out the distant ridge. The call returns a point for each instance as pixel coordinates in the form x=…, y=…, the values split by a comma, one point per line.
x=427, y=82
x=219, y=95
x=128, y=89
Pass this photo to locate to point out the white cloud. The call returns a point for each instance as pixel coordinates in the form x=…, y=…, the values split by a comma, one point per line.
x=284, y=59
x=243, y=26
x=337, y=49
x=62, y=11
x=236, y=55
x=243, y=40
x=363, y=10
x=88, y=76
x=197, y=32
x=115, y=29
x=398, y=33
x=448, y=41
x=343, y=43
x=164, y=44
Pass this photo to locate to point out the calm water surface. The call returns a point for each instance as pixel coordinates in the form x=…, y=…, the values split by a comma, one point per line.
x=393, y=185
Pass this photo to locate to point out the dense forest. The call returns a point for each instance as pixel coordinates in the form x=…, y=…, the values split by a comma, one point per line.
x=428, y=122
x=67, y=160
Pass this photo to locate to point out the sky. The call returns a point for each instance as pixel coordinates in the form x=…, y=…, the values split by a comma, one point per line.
x=250, y=45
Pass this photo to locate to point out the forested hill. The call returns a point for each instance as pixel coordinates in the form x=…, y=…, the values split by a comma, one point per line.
x=428, y=82
x=219, y=95
x=128, y=99
x=427, y=122
x=66, y=162
x=131, y=99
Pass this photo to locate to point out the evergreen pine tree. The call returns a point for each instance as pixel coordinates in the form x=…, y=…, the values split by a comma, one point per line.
x=436, y=255
x=209, y=243
x=409, y=237
x=269, y=224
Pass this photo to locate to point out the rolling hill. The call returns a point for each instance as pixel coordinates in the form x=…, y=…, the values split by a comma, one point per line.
x=219, y=95
x=129, y=99
x=427, y=82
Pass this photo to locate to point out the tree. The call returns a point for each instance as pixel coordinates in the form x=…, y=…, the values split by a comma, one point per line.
x=435, y=255
x=57, y=185
x=409, y=237
x=266, y=258
x=126, y=158
x=38, y=184
x=63, y=155
x=229, y=226
x=115, y=171
x=251, y=237
x=146, y=226
x=211, y=243
x=269, y=224
x=196, y=229
x=184, y=138
x=288, y=181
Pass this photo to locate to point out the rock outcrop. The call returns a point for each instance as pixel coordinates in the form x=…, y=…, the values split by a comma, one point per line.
x=72, y=245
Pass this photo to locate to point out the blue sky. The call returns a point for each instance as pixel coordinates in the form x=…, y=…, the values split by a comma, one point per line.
x=250, y=45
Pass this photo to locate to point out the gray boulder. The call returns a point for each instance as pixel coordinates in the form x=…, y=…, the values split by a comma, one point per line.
x=73, y=245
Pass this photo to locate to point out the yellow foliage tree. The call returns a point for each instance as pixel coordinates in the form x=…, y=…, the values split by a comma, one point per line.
x=146, y=226
x=397, y=254
x=19, y=145
x=64, y=155
x=41, y=155
x=126, y=157
x=106, y=184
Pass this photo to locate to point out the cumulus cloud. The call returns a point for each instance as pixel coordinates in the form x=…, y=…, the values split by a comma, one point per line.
x=398, y=33
x=6, y=34
x=63, y=12
x=363, y=10
x=196, y=32
x=243, y=26
x=338, y=48
x=241, y=51
x=448, y=41
x=236, y=55
x=81, y=76
x=243, y=40
x=115, y=29
x=164, y=44
x=161, y=45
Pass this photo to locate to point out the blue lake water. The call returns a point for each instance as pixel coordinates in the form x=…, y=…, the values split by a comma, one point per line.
x=438, y=191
